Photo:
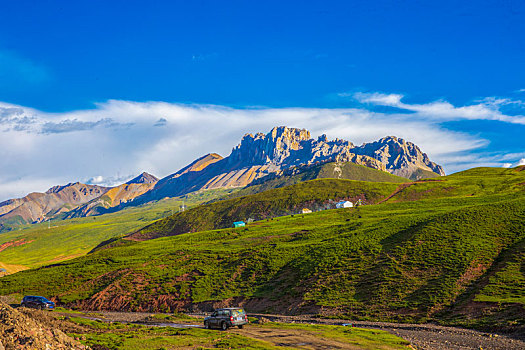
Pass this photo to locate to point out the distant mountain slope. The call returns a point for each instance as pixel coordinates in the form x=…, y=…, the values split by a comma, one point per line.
x=346, y=170
x=283, y=148
x=116, y=197
x=72, y=200
x=35, y=207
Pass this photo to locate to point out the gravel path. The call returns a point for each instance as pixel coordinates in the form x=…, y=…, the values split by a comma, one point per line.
x=421, y=336
x=424, y=336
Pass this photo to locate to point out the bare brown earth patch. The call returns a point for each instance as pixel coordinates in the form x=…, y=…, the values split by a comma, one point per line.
x=18, y=331
x=17, y=243
x=473, y=272
x=294, y=338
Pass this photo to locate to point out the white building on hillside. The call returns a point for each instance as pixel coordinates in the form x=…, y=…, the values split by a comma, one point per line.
x=344, y=204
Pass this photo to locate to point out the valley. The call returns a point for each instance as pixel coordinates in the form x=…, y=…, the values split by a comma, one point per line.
x=442, y=251
x=445, y=251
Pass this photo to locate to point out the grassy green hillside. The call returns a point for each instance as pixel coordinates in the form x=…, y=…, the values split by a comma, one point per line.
x=36, y=245
x=315, y=195
x=448, y=250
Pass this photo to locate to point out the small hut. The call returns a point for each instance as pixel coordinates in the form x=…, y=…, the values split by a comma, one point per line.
x=306, y=211
x=239, y=224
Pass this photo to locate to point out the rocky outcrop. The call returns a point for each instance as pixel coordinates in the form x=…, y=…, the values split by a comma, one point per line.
x=18, y=331
x=400, y=157
x=284, y=147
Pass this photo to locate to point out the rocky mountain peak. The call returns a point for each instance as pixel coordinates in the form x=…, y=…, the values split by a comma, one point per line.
x=283, y=147
x=144, y=178
x=400, y=157
x=271, y=148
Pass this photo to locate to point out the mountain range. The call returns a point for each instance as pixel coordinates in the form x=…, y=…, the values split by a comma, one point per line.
x=256, y=157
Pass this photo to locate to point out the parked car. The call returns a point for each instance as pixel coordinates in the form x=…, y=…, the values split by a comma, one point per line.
x=37, y=302
x=226, y=318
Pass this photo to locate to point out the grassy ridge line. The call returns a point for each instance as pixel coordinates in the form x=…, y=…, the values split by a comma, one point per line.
x=62, y=240
x=472, y=182
x=344, y=171
x=405, y=261
x=314, y=194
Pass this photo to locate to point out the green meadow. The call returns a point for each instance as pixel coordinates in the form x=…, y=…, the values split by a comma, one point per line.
x=57, y=240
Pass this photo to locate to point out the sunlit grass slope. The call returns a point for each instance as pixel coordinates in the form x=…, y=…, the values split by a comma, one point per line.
x=314, y=195
x=40, y=244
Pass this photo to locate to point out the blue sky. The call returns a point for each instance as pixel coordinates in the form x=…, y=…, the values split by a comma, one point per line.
x=454, y=69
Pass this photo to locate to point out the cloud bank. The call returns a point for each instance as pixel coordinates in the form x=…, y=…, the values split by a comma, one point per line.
x=119, y=139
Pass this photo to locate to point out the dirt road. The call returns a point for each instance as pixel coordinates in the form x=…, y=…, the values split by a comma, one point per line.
x=425, y=336
x=421, y=336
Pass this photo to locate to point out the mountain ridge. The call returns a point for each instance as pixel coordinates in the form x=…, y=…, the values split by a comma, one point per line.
x=259, y=155
x=71, y=199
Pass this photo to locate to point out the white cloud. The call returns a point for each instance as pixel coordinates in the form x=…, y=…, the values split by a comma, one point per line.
x=506, y=165
x=521, y=162
x=96, y=180
x=122, y=137
x=393, y=100
x=486, y=109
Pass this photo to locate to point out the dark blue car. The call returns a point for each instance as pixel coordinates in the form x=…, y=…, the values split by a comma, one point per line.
x=226, y=318
x=37, y=302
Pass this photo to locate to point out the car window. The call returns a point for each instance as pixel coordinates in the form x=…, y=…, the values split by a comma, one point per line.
x=238, y=312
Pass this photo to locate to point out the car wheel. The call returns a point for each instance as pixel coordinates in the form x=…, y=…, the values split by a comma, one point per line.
x=40, y=307
x=240, y=326
x=206, y=325
x=224, y=326
x=23, y=305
